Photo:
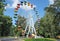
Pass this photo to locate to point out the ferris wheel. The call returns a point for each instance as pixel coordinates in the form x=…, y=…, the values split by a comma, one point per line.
x=30, y=28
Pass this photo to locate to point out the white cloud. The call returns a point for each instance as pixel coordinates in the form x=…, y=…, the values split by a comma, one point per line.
x=15, y=2
x=51, y=1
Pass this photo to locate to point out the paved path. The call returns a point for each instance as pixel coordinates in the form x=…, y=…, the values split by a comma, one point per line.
x=58, y=39
x=11, y=39
x=15, y=39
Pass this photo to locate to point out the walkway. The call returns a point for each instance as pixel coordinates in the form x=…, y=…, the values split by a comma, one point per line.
x=11, y=39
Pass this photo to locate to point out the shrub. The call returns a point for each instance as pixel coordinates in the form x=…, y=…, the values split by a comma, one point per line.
x=40, y=39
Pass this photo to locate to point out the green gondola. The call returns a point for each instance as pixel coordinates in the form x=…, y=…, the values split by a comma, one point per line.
x=15, y=14
x=25, y=2
x=34, y=9
x=16, y=11
x=36, y=13
x=15, y=17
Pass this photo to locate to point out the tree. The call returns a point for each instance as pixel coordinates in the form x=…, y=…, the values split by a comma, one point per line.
x=5, y=21
x=55, y=10
x=21, y=21
x=5, y=26
x=50, y=23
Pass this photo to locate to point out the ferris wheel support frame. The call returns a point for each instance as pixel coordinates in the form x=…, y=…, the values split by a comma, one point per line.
x=30, y=26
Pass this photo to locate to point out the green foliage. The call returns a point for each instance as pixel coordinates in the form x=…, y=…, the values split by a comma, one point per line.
x=5, y=21
x=50, y=23
x=12, y=30
x=5, y=26
x=17, y=32
x=40, y=39
x=21, y=21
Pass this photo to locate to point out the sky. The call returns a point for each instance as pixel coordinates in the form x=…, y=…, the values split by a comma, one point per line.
x=25, y=10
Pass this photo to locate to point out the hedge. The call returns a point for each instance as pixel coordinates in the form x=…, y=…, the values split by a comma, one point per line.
x=40, y=39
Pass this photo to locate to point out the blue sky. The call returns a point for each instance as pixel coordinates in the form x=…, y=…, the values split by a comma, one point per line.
x=40, y=5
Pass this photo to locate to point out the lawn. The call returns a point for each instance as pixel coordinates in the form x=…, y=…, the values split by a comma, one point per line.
x=41, y=39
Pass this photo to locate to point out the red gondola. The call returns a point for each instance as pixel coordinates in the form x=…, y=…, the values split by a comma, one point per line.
x=16, y=8
x=18, y=5
x=31, y=6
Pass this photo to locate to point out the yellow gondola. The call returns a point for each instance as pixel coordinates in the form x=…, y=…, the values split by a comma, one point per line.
x=33, y=34
x=19, y=27
x=29, y=4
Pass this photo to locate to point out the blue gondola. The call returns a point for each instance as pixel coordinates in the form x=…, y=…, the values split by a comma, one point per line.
x=21, y=3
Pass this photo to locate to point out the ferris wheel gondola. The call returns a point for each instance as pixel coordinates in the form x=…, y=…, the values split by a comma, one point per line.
x=25, y=2
x=18, y=5
x=21, y=2
x=29, y=4
x=16, y=9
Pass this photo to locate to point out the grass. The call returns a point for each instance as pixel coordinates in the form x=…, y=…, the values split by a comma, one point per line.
x=41, y=39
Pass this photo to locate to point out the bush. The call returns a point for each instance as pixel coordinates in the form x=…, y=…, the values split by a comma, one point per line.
x=40, y=39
